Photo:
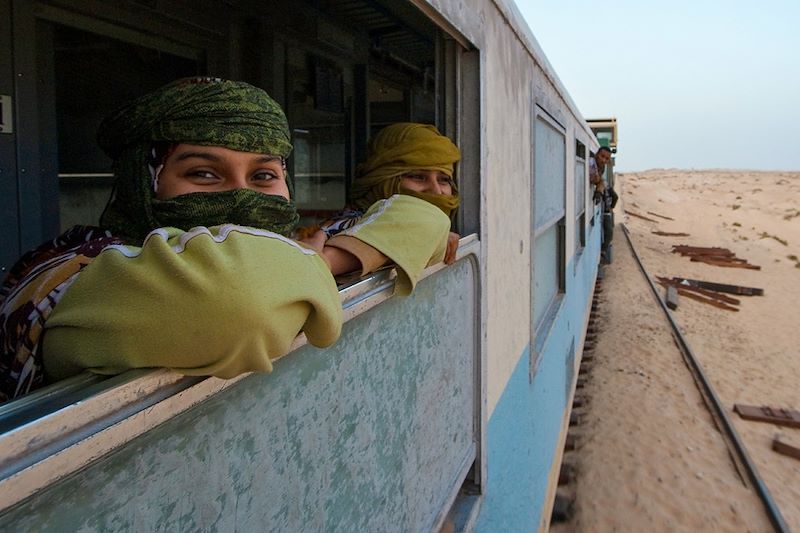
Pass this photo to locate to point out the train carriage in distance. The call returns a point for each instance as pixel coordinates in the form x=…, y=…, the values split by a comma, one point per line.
x=449, y=406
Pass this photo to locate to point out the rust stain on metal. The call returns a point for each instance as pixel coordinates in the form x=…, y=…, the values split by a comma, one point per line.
x=774, y=415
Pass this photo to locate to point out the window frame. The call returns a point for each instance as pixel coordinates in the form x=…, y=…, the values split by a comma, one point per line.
x=542, y=324
x=580, y=216
x=151, y=395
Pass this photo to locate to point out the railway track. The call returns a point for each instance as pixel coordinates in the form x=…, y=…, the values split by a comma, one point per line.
x=741, y=459
x=746, y=469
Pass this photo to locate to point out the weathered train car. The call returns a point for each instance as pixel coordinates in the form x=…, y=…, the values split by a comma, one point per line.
x=450, y=405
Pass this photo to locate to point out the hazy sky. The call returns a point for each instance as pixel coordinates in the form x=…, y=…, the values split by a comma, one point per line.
x=693, y=83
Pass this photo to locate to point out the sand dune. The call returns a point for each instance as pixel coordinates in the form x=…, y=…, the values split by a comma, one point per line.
x=651, y=458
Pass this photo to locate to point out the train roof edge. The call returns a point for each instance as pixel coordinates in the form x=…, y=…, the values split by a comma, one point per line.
x=605, y=129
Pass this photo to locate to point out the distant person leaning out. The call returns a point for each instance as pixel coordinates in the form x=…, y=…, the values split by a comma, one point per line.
x=404, y=159
x=597, y=169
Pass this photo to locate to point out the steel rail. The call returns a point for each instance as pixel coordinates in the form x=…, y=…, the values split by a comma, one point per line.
x=712, y=401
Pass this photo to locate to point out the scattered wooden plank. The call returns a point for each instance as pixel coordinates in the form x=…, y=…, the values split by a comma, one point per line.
x=672, y=297
x=785, y=448
x=704, y=292
x=702, y=249
x=694, y=296
x=773, y=415
x=637, y=215
x=711, y=250
x=669, y=234
x=713, y=256
x=711, y=294
x=721, y=287
x=724, y=263
x=659, y=216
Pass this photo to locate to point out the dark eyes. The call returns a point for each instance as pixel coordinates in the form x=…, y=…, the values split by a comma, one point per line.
x=263, y=177
x=204, y=175
x=442, y=180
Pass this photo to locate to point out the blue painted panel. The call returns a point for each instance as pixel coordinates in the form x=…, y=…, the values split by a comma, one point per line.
x=524, y=429
x=369, y=435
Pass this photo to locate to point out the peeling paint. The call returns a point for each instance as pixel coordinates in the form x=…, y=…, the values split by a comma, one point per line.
x=382, y=420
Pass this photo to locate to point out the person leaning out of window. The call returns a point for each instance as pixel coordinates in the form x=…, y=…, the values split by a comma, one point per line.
x=404, y=160
x=191, y=267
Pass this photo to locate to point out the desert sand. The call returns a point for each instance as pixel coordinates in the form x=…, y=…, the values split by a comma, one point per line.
x=649, y=457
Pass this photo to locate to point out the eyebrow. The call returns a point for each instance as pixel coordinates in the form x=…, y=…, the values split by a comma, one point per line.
x=208, y=156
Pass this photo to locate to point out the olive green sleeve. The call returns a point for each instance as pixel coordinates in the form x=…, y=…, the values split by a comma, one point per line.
x=206, y=302
x=410, y=232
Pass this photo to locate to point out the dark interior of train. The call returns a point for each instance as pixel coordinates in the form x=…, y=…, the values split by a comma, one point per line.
x=341, y=69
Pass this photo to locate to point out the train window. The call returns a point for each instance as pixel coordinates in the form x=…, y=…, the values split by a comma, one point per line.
x=580, y=195
x=316, y=111
x=389, y=65
x=549, y=221
x=88, y=86
x=341, y=71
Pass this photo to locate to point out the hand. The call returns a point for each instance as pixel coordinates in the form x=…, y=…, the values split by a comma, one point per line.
x=339, y=261
x=315, y=241
x=452, y=248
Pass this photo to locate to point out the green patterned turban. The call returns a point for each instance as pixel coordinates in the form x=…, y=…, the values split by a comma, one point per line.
x=202, y=111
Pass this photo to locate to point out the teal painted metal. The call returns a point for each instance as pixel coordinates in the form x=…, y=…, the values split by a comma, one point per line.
x=524, y=429
x=369, y=435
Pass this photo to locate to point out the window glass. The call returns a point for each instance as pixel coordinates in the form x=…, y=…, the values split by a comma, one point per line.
x=580, y=203
x=545, y=272
x=399, y=99
x=605, y=137
x=550, y=157
x=316, y=111
x=550, y=205
x=89, y=86
x=580, y=187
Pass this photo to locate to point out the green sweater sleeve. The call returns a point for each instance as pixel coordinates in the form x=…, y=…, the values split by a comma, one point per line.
x=219, y=301
x=409, y=231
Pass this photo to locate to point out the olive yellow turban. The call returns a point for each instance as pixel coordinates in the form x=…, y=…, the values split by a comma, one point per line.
x=397, y=150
